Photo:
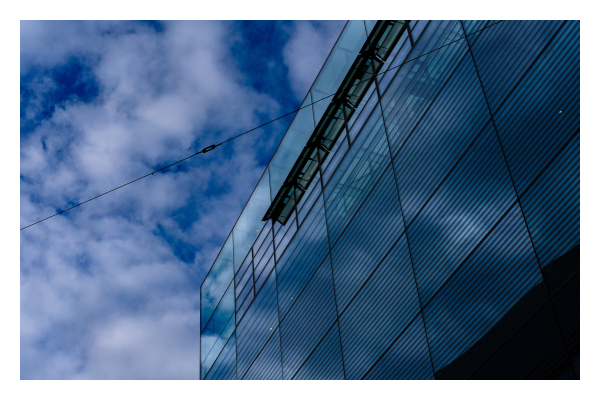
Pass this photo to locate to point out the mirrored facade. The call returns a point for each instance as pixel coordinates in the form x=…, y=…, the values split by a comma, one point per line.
x=437, y=236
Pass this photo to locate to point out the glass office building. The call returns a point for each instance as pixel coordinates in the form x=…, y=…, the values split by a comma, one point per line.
x=419, y=219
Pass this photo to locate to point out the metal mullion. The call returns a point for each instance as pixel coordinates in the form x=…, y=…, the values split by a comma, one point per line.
x=331, y=265
x=410, y=37
x=277, y=292
x=404, y=223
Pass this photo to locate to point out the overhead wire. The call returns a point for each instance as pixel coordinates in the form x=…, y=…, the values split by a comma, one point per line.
x=214, y=146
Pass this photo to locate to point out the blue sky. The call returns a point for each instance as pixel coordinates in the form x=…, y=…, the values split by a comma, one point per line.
x=110, y=290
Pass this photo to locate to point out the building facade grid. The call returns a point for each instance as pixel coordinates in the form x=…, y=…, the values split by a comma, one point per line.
x=444, y=208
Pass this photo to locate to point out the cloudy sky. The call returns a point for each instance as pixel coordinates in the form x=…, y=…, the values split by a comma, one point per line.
x=110, y=290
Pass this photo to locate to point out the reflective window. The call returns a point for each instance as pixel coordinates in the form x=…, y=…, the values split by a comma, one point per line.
x=379, y=313
x=218, y=329
x=250, y=223
x=356, y=175
x=217, y=281
x=291, y=146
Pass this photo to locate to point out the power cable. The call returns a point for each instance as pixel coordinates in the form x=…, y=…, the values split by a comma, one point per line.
x=214, y=146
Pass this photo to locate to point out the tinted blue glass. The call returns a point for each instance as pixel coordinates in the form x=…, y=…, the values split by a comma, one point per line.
x=407, y=358
x=357, y=174
x=337, y=153
x=379, y=313
x=291, y=145
x=216, y=282
x=455, y=118
x=415, y=87
x=397, y=57
x=242, y=305
x=309, y=198
x=250, y=223
x=475, y=25
x=462, y=210
x=417, y=28
x=264, y=273
x=307, y=321
x=302, y=257
x=224, y=366
x=551, y=205
x=505, y=51
x=257, y=326
x=373, y=230
x=483, y=289
x=218, y=330
x=339, y=61
x=244, y=275
x=369, y=25
x=286, y=235
x=543, y=111
x=363, y=111
x=268, y=363
x=325, y=362
x=437, y=34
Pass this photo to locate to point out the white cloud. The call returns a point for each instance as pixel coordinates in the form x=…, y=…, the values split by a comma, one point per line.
x=103, y=294
x=307, y=50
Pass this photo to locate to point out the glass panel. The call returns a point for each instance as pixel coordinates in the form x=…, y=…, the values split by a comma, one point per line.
x=360, y=107
x=281, y=246
x=338, y=64
x=243, y=291
x=309, y=199
x=308, y=320
x=268, y=267
x=258, y=256
x=373, y=230
x=325, y=363
x=217, y=281
x=302, y=256
x=218, y=329
x=243, y=305
x=492, y=279
x=383, y=308
x=314, y=184
x=241, y=275
x=224, y=366
x=250, y=223
x=290, y=225
x=456, y=117
x=357, y=174
x=267, y=366
x=416, y=31
x=334, y=158
x=260, y=265
x=542, y=112
x=246, y=279
x=463, y=209
x=369, y=25
x=257, y=326
x=414, y=88
x=266, y=232
x=291, y=146
x=551, y=205
x=408, y=358
x=503, y=57
x=398, y=57
x=368, y=104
